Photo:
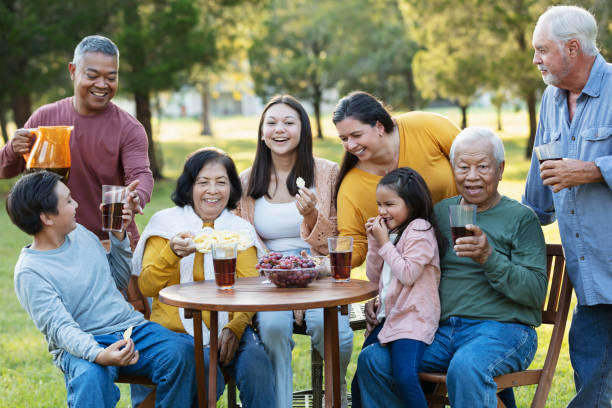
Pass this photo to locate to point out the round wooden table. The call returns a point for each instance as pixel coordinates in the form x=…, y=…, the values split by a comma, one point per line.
x=250, y=295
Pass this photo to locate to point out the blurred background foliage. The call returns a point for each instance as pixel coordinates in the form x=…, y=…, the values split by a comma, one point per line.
x=406, y=52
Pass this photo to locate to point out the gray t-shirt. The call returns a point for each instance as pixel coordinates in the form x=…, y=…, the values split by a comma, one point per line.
x=72, y=292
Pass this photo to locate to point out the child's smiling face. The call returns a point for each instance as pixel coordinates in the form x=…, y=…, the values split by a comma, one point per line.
x=391, y=207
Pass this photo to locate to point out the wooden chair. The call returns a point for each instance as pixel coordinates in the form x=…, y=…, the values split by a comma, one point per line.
x=554, y=312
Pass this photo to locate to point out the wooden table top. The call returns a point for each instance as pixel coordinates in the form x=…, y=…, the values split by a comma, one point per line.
x=250, y=295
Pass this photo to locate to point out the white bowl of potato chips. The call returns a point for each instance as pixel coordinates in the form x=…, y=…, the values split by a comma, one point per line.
x=204, y=240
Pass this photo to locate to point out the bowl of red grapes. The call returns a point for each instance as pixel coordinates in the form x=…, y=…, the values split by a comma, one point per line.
x=288, y=271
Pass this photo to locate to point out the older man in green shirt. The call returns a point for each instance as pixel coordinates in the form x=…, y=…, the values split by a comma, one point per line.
x=492, y=286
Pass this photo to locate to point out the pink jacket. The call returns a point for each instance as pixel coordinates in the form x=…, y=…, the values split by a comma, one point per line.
x=412, y=304
x=326, y=224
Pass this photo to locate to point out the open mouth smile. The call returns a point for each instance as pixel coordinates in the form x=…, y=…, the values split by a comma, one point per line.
x=473, y=190
x=280, y=139
x=99, y=94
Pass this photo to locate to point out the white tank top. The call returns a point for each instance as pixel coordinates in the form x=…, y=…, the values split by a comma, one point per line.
x=278, y=225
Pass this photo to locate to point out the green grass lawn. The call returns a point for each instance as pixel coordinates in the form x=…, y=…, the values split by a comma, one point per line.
x=27, y=375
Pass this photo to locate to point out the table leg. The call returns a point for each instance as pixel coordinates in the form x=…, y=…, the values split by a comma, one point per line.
x=332, y=357
x=212, y=362
x=198, y=345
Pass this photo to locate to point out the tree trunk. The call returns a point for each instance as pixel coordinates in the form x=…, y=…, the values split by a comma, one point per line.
x=498, y=109
x=531, y=109
x=205, y=94
x=143, y=114
x=411, y=90
x=22, y=109
x=318, y=97
x=464, y=109
x=3, y=123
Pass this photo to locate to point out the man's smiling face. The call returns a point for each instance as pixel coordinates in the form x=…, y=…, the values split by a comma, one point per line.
x=95, y=78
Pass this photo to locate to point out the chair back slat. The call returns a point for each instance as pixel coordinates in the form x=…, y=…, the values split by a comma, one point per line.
x=555, y=263
x=558, y=317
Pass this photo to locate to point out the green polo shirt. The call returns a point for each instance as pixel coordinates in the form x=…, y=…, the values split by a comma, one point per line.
x=511, y=285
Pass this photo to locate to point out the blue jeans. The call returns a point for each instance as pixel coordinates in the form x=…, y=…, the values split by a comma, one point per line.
x=251, y=368
x=472, y=352
x=590, y=347
x=164, y=356
x=276, y=331
x=355, y=393
x=405, y=357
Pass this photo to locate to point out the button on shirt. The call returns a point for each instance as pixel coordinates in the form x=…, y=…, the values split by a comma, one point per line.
x=584, y=212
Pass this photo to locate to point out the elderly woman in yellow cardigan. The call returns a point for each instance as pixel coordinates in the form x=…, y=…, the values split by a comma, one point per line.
x=206, y=192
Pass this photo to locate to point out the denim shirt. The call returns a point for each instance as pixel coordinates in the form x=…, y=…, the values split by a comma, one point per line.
x=584, y=212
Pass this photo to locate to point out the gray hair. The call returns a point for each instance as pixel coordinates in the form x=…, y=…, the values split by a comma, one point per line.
x=95, y=43
x=479, y=135
x=571, y=22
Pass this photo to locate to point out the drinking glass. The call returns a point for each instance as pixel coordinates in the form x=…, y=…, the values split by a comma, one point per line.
x=549, y=151
x=460, y=216
x=340, y=255
x=224, y=260
x=113, y=198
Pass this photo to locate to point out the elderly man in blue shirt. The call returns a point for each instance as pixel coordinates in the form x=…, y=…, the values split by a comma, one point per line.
x=576, y=112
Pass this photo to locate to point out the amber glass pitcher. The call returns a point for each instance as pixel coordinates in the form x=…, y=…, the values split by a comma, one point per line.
x=51, y=150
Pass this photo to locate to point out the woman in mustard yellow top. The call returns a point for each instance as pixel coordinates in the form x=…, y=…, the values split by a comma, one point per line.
x=374, y=144
x=206, y=192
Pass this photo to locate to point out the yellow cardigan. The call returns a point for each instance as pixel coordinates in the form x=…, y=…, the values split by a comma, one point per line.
x=425, y=142
x=161, y=268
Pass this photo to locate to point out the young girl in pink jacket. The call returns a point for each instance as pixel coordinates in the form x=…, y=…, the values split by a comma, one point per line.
x=403, y=257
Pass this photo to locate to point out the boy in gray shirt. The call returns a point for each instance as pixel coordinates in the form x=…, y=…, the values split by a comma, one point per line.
x=70, y=287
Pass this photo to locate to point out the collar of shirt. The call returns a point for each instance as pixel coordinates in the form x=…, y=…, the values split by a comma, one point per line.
x=593, y=85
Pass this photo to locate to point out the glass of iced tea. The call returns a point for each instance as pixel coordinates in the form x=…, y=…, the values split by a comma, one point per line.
x=340, y=254
x=113, y=198
x=460, y=216
x=549, y=151
x=224, y=260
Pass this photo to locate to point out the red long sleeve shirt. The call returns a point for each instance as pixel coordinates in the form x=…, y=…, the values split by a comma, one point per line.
x=108, y=148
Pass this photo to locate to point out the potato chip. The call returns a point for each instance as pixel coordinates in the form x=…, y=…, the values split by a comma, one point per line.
x=128, y=333
x=300, y=182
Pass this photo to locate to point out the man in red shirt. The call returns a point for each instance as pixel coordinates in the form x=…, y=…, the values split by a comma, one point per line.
x=107, y=145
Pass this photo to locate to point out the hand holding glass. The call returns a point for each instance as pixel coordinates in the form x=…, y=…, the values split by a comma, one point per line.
x=224, y=260
x=460, y=216
x=113, y=198
x=340, y=256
